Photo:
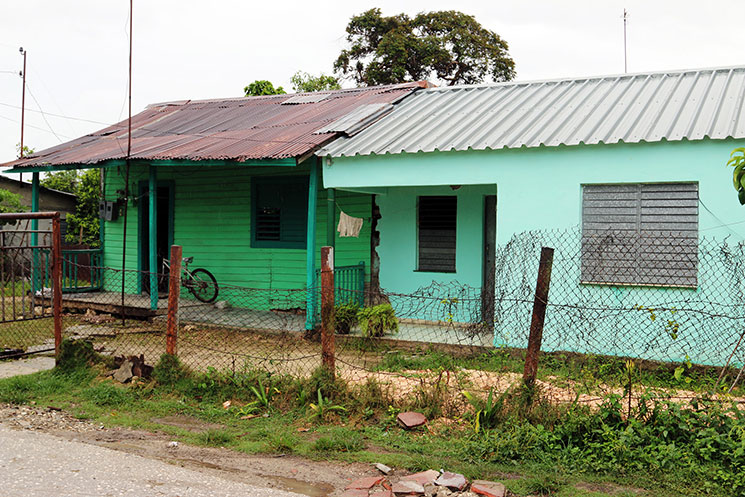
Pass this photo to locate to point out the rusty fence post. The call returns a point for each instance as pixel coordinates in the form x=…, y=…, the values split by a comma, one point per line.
x=174, y=292
x=327, y=309
x=539, y=315
x=56, y=282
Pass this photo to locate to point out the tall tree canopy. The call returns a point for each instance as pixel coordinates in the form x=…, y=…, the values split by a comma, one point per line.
x=262, y=87
x=302, y=82
x=448, y=46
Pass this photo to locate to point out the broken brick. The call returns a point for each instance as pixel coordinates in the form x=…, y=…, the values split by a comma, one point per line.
x=411, y=419
x=455, y=481
x=424, y=477
x=488, y=488
x=365, y=483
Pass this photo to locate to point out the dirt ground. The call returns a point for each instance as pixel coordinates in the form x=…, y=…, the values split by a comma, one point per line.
x=291, y=473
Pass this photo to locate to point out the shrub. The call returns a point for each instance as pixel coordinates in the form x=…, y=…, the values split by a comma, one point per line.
x=345, y=317
x=169, y=370
x=377, y=320
x=76, y=354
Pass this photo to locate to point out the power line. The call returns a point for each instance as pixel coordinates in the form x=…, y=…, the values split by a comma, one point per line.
x=62, y=116
x=43, y=115
x=30, y=125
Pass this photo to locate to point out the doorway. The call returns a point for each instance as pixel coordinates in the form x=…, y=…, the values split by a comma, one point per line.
x=164, y=231
x=489, y=263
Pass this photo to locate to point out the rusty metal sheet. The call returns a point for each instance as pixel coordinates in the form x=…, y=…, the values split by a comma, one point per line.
x=241, y=129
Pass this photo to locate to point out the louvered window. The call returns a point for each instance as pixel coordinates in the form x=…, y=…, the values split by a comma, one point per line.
x=436, y=234
x=640, y=234
x=279, y=208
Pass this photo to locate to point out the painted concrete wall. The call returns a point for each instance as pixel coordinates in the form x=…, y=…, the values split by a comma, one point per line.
x=212, y=223
x=398, y=240
x=540, y=190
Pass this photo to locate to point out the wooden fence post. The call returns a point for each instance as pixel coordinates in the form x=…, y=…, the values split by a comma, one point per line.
x=174, y=292
x=539, y=315
x=56, y=282
x=327, y=310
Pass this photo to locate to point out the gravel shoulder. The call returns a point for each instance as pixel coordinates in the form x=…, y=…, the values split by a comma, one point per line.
x=49, y=452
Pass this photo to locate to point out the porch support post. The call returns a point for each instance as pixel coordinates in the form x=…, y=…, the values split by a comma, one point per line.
x=331, y=217
x=35, y=271
x=153, y=237
x=310, y=249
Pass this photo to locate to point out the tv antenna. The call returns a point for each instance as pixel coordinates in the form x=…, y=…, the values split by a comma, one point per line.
x=625, y=62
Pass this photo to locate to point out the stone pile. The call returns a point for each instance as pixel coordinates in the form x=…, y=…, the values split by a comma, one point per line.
x=428, y=483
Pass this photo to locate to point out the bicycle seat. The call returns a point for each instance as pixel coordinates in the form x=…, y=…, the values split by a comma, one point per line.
x=188, y=260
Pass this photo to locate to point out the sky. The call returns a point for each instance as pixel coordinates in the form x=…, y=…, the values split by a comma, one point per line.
x=77, y=50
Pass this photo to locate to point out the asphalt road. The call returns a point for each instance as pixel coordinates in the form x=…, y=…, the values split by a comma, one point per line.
x=34, y=464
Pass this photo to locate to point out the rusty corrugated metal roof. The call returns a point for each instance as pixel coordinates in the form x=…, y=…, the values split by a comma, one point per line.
x=240, y=129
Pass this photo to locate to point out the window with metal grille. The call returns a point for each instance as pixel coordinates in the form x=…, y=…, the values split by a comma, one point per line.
x=436, y=221
x=279, y=212
x=640, y=234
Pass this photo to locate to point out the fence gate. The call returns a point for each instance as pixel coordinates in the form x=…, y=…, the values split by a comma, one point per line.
x=30, y=283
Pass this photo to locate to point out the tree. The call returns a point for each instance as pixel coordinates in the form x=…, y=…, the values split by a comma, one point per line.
x=262, y=87
x=86, y=210
x=87, y=186
x=64, y=181
x=448, y=46
x=10, y=202
x=26, y=150
x=302, y=82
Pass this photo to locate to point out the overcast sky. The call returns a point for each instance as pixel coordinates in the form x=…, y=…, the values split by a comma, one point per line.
x=77, y=50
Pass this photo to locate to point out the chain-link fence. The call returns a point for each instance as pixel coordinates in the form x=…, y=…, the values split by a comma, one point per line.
x=672, y=304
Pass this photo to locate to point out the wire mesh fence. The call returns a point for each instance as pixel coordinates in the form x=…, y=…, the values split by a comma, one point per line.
x=678, y=313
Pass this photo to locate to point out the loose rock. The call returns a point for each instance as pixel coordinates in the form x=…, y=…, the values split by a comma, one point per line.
x=383, y=468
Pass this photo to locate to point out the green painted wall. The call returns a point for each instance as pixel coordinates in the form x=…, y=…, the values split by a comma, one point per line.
x=212, y=223
x=540, y=190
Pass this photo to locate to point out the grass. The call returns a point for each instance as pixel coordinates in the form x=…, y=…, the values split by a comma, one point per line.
x=562, y=451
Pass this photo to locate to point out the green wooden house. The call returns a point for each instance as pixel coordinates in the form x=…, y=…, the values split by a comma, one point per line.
x=235, y=182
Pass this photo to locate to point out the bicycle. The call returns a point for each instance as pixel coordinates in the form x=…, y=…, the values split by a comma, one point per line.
x=200, y=282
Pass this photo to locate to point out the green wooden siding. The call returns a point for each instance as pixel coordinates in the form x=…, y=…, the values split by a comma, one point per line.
x=212, y=222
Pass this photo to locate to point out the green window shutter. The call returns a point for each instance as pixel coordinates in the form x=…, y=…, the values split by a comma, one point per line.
x=279, y=212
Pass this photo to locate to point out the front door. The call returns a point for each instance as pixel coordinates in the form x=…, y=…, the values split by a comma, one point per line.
x=489, y=265
x=164, y=229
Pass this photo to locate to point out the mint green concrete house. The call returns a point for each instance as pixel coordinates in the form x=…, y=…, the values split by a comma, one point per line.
x=234, y=181
x=459, y=172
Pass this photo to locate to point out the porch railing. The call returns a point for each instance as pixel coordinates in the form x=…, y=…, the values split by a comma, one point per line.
x=349, y=284
x=82, y=270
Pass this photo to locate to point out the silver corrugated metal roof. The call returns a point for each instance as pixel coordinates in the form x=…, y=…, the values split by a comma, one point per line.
x=630, y=108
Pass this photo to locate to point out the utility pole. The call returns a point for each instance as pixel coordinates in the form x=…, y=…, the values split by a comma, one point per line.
x=23, y=105
x=625, y=63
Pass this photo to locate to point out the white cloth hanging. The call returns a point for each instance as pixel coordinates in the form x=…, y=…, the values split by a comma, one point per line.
x=349, y=226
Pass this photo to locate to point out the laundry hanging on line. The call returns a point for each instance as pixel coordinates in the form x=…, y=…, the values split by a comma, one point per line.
x=349, y=226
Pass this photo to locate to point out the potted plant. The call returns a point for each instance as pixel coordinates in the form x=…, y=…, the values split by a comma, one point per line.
x=345, y=317
x=377, y=320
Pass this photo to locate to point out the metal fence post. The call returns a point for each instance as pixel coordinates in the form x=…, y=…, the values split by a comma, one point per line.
x=174, y=292
x=56, y=282
x=327, y=309
x=539, y=315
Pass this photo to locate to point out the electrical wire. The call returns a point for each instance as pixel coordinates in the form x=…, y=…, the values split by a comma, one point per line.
x=62, y=116
x=31, y=126
x=43, y=114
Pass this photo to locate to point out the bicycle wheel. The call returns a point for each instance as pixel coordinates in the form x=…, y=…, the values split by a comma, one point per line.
x=203, y=285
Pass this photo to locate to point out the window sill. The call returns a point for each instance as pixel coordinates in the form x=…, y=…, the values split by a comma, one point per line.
x=434, y=272
x=639, y=285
